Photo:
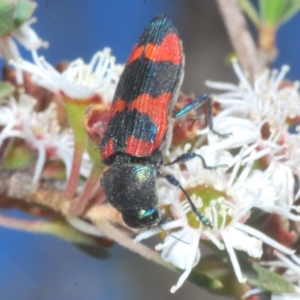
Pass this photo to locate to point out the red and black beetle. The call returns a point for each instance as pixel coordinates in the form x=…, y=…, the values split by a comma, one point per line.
x=140, y=126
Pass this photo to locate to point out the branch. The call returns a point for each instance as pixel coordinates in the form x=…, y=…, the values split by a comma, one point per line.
x=49, y=193
x=17, y=186
x=240, y=36
x=128, y=243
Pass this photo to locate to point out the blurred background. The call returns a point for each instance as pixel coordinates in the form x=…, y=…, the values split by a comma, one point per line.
x=43, y=267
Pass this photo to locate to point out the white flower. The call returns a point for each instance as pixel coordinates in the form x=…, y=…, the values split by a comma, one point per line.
x=259, y=116
x=247, y=109
x=26, y=36
x=79, y=80
x=40, y=131
x=225, y=199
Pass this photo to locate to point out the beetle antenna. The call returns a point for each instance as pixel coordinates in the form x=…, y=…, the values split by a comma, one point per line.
x=176, y=183
x=163, y=220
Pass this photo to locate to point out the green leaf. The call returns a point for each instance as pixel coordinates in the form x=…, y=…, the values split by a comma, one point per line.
x=6, y=89
x=292, y=9
x=23, y=11
x=7, y=8
x=265, y=279
x=250, y=11
x=14, y=13
x=274, y=12
x=17, y=155
x=271, y=10
x=255, y=274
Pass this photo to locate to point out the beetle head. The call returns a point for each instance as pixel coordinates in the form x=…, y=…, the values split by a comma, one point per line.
x=131, y=189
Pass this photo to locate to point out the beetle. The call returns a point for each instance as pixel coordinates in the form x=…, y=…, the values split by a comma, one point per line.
x=140, y=126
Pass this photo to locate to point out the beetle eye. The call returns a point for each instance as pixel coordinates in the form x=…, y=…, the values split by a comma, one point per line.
x=146, y=213
x=142, y=218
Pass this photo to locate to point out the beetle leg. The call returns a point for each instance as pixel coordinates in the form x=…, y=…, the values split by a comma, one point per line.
x=190, y=155
x=195, y=104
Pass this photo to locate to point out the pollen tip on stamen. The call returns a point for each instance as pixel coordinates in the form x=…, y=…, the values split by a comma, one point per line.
x=158, y=247
x=33, y=20
x=193, y=197
x=187, y=147
x=45, y=44
x=234, y=60
x=173, y=289
x=106, y=50
x=285, y=68
x=213, y=202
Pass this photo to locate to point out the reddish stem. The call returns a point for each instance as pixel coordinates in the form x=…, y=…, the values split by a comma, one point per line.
x=70, y=189
x=99, y=198
x=91, y=186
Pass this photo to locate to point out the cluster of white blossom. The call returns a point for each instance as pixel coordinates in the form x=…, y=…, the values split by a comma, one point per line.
x=41, y=130
x=79, y=80
x=262, y=155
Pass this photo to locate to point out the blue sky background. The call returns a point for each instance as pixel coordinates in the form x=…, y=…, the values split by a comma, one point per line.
x=44, y=267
